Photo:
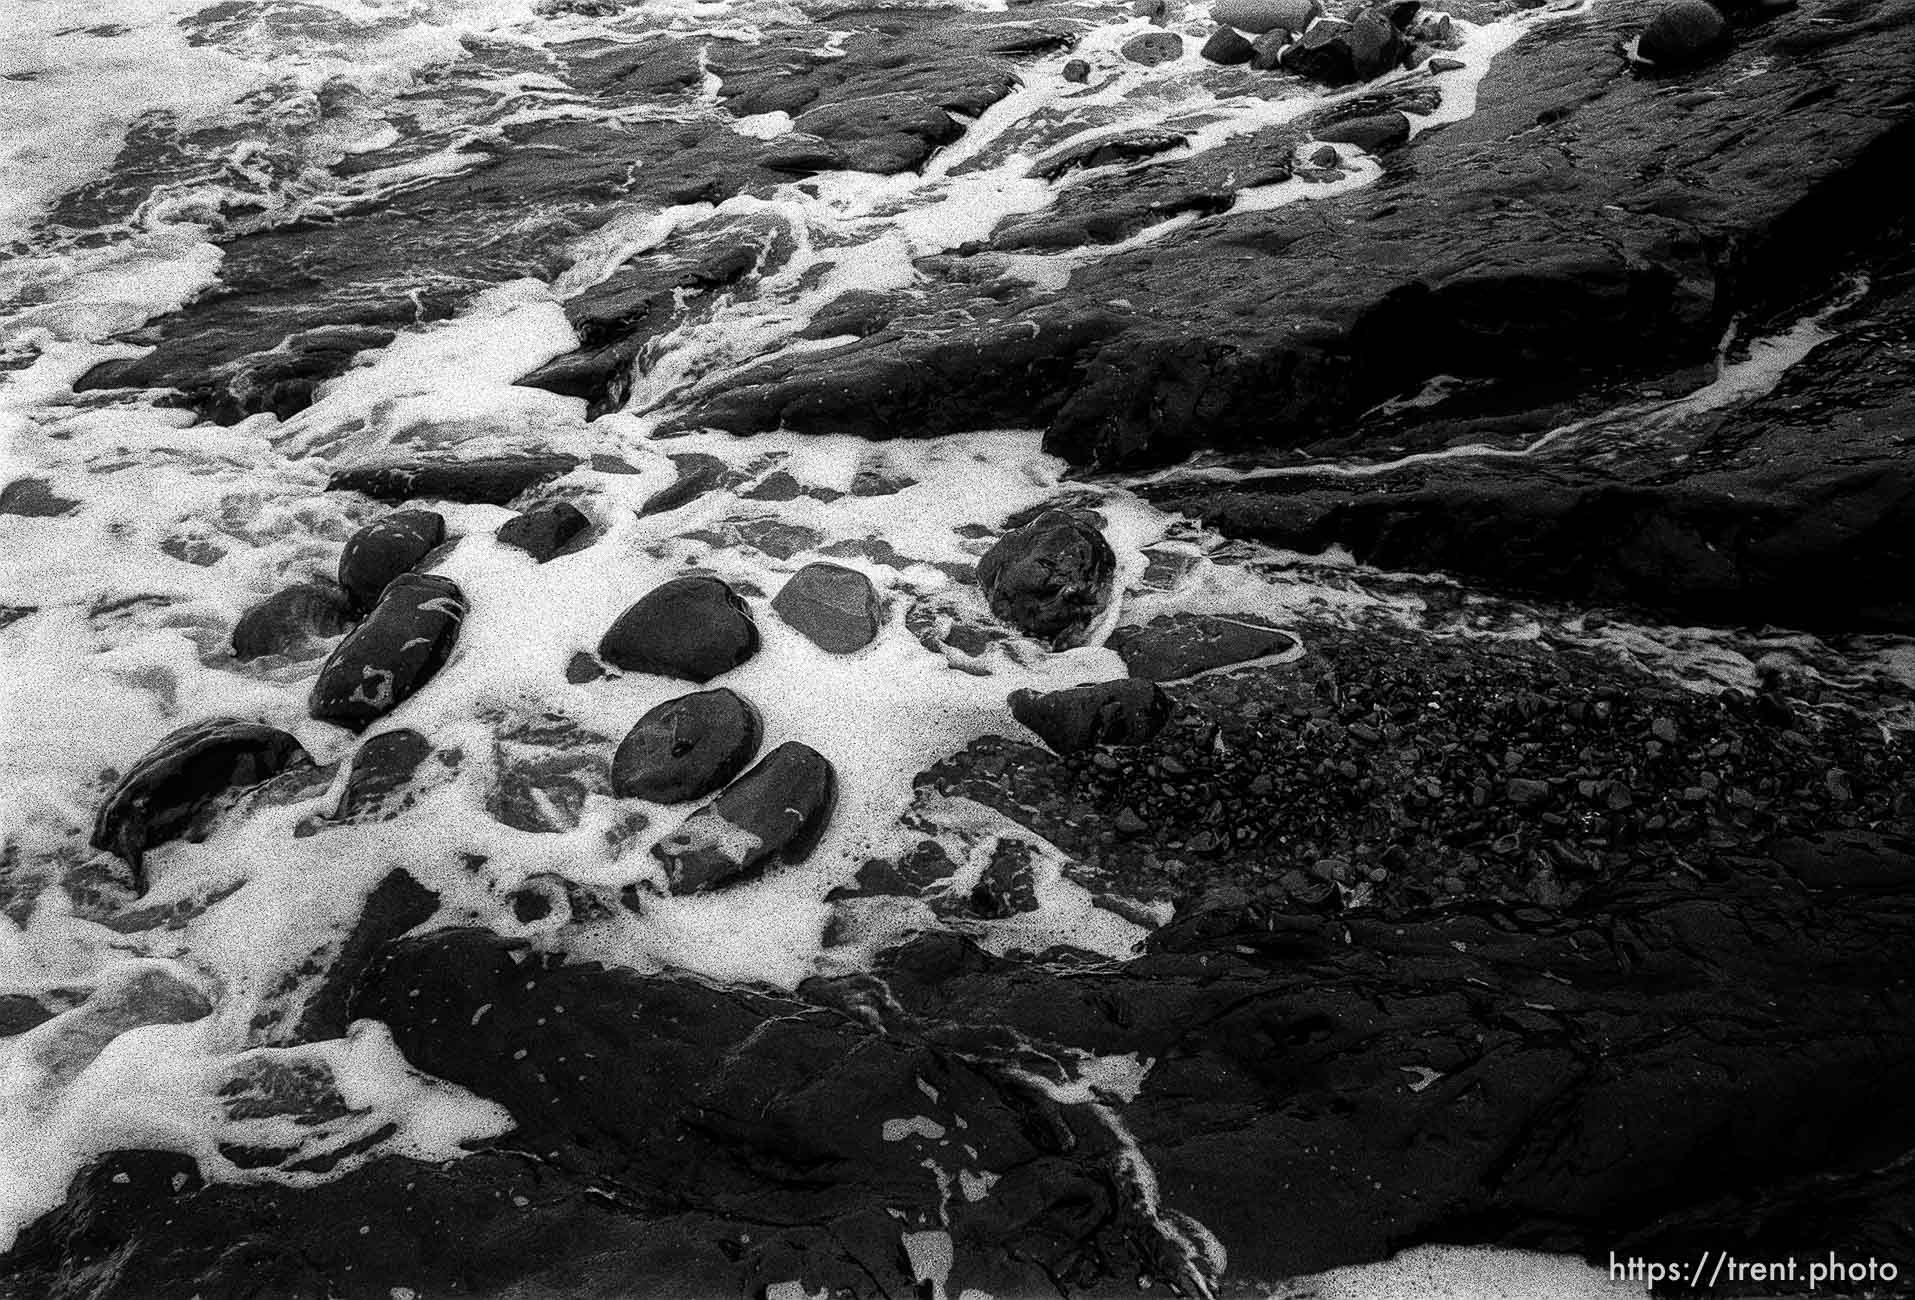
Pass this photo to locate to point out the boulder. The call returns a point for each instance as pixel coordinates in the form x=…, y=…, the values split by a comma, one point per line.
x=686, y=748
x=692, y=628
x=289, y=619
x=1050, y=577
x=492, y=481
x=1128, y=711
x=1377, y=45
x=1173, y=646
x=1153, y=48
x=1266, y=52
x=1374, y=132
x=545, y=532
x=1077, y=72
x=178, y=786
x=1227, y=47
x=835, y=607
x=404, y=641
x=1322, y=53
x=779, y=809
x=384, y=549
x=1683, y=34
x=1258, y=16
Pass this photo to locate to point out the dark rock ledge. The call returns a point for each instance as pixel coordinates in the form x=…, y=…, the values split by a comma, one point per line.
x=1647, y=991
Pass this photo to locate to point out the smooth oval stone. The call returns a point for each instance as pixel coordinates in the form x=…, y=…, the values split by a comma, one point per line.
x=288, y=619
x=1050, y=577
x=384, y=549
x=1259, y=16
x=836, y=608
x=1228, y=48
x=404, y=641
x=1153, y=48
x=380, y=784
x=1128, y=711
x=167, y=793
x=1682, y=33
x=544, y=532
x=686, y=748
x=779, y=809
x=692, y=628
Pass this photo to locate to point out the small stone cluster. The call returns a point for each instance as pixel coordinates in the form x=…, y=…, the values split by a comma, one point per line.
x=1298, y=36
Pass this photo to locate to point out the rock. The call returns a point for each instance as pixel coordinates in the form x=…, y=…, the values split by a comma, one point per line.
x=1227, y=48
x=288, y=620
x=397, y=904
x=686, y=748
x=698, y=473
x=835, y=607
x=693, y=628
x=545, y=532
x=384, y=549
x=1008, y=885
x=1155, y=10
x=1125, y=712
x=1153, y=48
x=1259, y=16
x=1050, y=577
x=34, y=498
x=1375, y=133
x=1322, y=53
x=493, y=481
x=384, y=779
x=403, y=642
x=1526, y=793
x=1173, y=646
x=885, y=134
x=1376, y=44
x=1266, y=52
x=778, y=809
x=176, y=788
x=1440, y=64
x=544, y=767
x=1682, y=34
x=1076, y=71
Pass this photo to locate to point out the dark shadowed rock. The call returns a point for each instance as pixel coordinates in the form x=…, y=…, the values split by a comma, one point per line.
x=545, y=532
x=686, y=748
x=1076, y=71
x=1682, y=34
x=1375, y=133
x=397, y=904
x=287, y=620
x=404, y=641
x=693, y=628
x=494, y=481
x=835, y=607
x=1227, y=47
x=1153, y=48
x=885, y=134
x=384, y=549
x=19, y=1013
x=176, y=787
x=698, y=473
x=1376, y=44
x=1173, y=646
x=778, y=810
x=386, y=777
x=1322, y=53
x=34, y=498
x=1050, y=577
x=1125, y=712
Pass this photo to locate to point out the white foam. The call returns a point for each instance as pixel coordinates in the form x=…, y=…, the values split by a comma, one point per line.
x=1463, y=1273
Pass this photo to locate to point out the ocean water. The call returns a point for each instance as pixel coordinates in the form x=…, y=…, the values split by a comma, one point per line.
x=119, y=612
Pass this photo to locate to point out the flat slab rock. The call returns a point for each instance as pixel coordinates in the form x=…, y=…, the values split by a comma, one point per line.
x=1174, y=646
x=495, y=481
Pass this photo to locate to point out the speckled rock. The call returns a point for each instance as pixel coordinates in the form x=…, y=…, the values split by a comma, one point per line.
x=384, y=549
x=404, y=641
x=778, y=810
x=1123, y=712
x=1050, y=577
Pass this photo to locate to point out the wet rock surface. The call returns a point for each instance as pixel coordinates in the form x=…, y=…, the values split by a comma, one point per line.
x=777, y=810
x=686, y=748
x=1049, y=577
x=692, y=628
x=402, y=644
x=493, y=481
x=836, y=608
x=384, y=549
x=546, y=532
x=288, y=621
x=176, y=788
x=1172, y=646
x=1127, y=712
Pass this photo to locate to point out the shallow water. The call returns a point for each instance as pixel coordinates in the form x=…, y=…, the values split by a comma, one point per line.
x=178, y=528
